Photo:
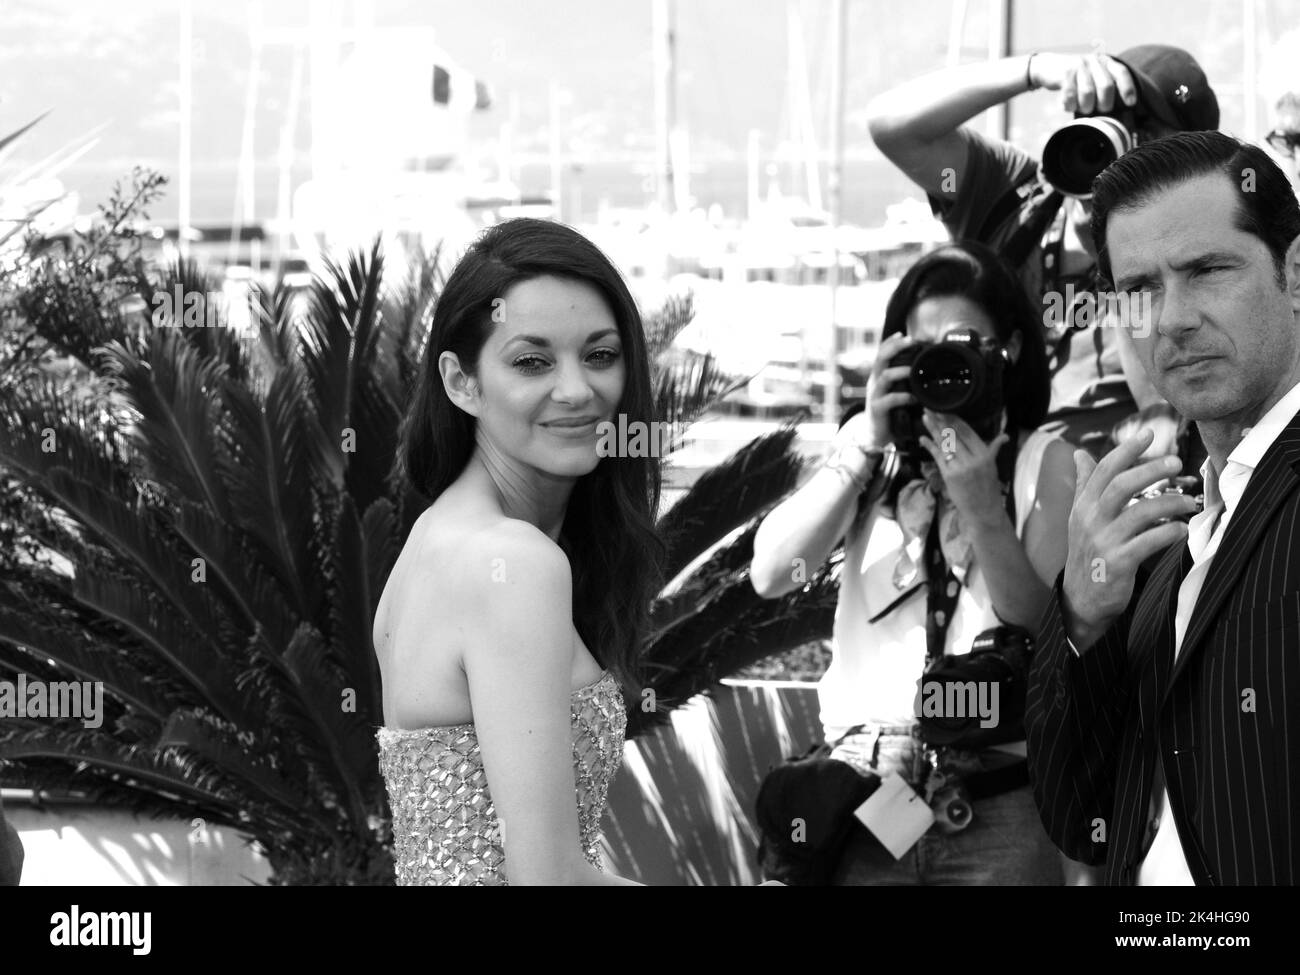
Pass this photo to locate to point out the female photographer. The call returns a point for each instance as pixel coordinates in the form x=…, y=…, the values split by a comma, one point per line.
x=950, y=534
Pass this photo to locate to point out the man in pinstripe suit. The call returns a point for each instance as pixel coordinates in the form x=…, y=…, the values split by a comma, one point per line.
x=1163, y=728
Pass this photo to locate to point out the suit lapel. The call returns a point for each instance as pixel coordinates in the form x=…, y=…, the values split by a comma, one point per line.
x=1155, y=633
x=1182, y=564
x=1269, y=486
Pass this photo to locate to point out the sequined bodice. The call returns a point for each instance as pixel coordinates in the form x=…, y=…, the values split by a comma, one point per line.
x=445, y=829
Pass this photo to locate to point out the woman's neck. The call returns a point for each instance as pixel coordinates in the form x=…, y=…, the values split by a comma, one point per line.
x=521, y=492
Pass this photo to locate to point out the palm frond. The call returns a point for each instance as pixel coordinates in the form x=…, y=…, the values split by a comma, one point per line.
x=750, y=481
x=664, y=325
x=363, y=550
x=174, y=415
x=686, y=383
x=734, y=629
x=81, y=658
x=17, y=133
x=265, y=467
x=337, y=342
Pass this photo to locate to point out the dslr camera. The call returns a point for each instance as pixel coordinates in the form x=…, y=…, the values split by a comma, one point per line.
x=1077, y=152
x=996, y=673
x=962, y=374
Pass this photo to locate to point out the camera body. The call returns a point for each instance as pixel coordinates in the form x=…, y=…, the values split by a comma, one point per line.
x=1077, y=152
x=988, y=687
x=962, y=374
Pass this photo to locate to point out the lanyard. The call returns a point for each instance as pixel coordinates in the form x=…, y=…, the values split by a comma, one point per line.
x=941, y=584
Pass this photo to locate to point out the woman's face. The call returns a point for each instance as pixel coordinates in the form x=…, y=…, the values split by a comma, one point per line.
x=931, y=319
x=550, y=371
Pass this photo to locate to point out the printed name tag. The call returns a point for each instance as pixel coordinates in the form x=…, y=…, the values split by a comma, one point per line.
x=896, y=815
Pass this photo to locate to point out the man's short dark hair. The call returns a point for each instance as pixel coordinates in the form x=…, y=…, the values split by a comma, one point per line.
x=1267, y=210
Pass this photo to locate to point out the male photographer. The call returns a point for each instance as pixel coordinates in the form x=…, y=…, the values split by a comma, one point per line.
x=988, y=190
x=1284, y=137
x=1163, y=739
x=1280, y=84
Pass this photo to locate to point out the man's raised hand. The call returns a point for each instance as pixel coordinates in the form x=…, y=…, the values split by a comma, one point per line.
x=1109, y=538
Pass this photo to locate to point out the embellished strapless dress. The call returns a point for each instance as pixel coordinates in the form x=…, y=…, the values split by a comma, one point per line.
x=445, y=828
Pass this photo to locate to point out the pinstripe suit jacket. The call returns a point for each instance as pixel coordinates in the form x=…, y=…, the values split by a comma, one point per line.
x=1224, y=719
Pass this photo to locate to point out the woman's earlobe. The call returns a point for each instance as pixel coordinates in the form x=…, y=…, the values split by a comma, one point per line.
x=1014, y=345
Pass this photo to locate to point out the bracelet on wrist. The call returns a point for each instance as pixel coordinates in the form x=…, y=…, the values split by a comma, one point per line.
x=1029, y=73
x=846, y=475
x=838, y=463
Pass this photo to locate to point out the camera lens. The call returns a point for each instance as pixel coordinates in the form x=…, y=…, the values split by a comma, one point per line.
x=1077, y=153
x=945, y=377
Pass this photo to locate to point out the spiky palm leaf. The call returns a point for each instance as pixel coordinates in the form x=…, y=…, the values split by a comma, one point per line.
x=233, y=519
x=726, y=496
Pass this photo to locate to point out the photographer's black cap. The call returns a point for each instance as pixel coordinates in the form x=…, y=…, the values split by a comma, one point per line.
x=1172, y=87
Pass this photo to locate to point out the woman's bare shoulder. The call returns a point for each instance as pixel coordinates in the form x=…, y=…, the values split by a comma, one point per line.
x=475, y=567
x=1058, y=460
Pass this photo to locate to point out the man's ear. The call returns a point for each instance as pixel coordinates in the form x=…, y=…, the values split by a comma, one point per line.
x=1291, y=265
x=461, y=387
x=1013, y=345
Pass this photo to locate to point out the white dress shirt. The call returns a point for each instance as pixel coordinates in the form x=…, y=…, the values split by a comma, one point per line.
x=1165, y=863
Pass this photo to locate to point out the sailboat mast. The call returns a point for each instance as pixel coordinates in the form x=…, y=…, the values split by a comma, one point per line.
x=834, y=188
x=664, y=17
x=1000, y=27
x=186, y=113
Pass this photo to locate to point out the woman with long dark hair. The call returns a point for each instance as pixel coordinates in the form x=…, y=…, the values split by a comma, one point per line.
x=961, y=538
x=510, y=625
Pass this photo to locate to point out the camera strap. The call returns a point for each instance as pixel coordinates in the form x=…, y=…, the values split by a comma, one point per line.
x=1032, y=215
x=941, y=589
x=1033, y=205
x=941, y=584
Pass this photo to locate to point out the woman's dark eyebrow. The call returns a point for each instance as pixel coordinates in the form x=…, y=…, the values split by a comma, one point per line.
x=546, y=343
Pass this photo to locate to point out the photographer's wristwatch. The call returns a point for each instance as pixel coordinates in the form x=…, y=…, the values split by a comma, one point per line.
x=846, y=460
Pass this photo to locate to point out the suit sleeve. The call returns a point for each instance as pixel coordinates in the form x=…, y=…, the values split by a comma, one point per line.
x=1074, y=716
x=11, y=853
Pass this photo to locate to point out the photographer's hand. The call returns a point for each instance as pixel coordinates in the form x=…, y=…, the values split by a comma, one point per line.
x=1088, y=82
x=969, y=470
x=871, y=427
x=968, y=467
x=1109, y=539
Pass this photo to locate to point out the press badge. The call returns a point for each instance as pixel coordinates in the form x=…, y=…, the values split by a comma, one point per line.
x=896, y=815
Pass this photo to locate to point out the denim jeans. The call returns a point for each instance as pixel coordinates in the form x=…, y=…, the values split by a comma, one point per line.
x=1005, y=843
